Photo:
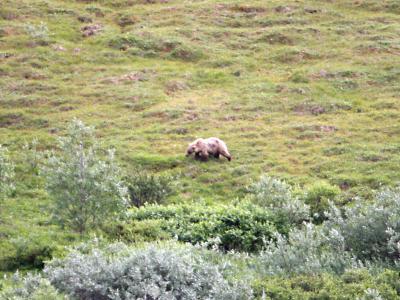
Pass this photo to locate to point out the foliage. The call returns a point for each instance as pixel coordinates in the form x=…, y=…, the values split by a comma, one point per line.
x=6, y=173
x=371, y=231
x=148, y=188
x=318, y=196
x=308, y=250
x=30, y=287
x=86, y=189
x=353, y=284
x=32, y=156
x=153, y=272
x=29, y=253
x=242, y=227
x=277, y=196
x=39, y=32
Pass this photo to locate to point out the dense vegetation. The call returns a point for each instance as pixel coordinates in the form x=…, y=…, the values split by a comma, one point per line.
x=99, y=99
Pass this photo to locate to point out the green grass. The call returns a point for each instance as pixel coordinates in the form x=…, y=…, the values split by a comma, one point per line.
x=304, y=91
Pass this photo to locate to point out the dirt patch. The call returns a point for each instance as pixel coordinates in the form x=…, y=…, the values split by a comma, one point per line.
x=328, y=128
x=248, y=9
x=85, y=19
x=33, y=75
x=90, y=30
x=277, y=38
x=294, y=56
x=180, y=131
x=12, y=119
x=126, y=20
x=284, y=9
x=174, y=86
x=323, y=74
x=66, y=108
x=311, y=10
x=143, y=75
x=58, y=48
x=305, y=108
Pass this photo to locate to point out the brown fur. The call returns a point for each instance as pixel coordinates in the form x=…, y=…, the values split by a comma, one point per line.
x=203, y=148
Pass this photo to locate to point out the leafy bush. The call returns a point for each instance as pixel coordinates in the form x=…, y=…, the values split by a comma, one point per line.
x=242, y=227
x=318, y=196
x=39, y=33
x=30, y=287
x=32, y=156
x=148, y=188
x=309, y=250
x=87, y=190
x=28, y=253
x=6, y=173
x=277, y=196
x=139, y=231
x=353, y=284
x=165, y=271
x=370, y=231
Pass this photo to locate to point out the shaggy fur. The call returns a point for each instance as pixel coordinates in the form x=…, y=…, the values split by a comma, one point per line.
x=203, y=148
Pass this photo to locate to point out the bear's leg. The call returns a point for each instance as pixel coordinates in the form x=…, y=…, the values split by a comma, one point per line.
x=201, y=156
x=204, y=155
x=216, y=155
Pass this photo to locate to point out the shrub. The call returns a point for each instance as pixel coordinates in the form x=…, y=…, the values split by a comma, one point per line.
x=6, y=173
x=139, y=231
x=326, y=286
x=298, y=77
x=370, y=231
x=30, y=287
x=148, y=188
x=87, y=190
x=309, y=250
x=164, y=271
x=242, y=227
x=39, y=33
x=277, y=196
x=32, y=156
x=28, y=253
x=318, y=196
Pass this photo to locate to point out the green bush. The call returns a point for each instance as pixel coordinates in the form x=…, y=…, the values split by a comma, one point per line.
x=31, y=287
x=371, y=231
x=277, y=196
x=135, y=231
x=27, y=253
x=318, y=196
x=38, y=33
x=354, y=284
x=6, y=173
x=307, y=250
x=242, y=227
x=148, y=188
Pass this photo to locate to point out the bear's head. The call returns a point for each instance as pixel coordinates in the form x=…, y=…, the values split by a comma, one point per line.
x=191, y=148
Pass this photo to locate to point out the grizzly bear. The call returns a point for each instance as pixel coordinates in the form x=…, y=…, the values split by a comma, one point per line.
x=202, y=148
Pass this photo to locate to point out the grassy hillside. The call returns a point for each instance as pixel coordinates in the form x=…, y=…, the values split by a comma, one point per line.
x=302, y=90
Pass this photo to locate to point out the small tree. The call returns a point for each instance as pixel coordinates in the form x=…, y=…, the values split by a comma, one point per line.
x=86, y=189
x=6, y=173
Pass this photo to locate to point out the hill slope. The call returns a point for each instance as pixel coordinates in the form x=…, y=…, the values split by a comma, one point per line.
x=302, y=90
